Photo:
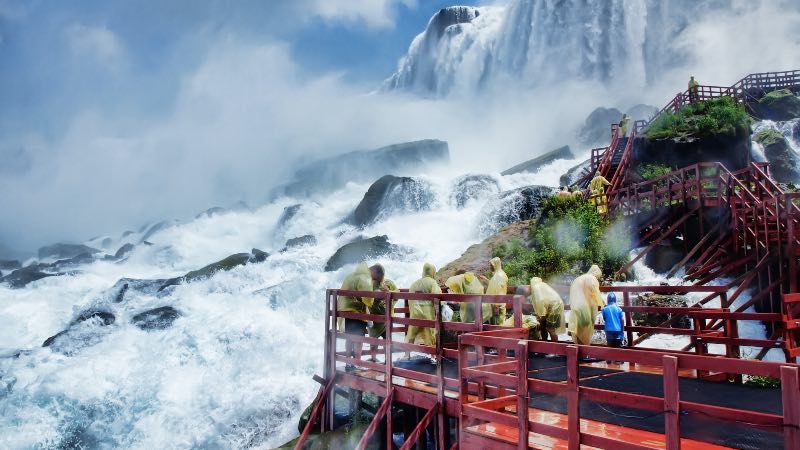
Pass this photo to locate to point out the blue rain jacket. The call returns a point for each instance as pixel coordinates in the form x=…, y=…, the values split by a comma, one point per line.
x=612, y=317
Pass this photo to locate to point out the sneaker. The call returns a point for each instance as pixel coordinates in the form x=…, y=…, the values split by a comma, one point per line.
x=349, y=368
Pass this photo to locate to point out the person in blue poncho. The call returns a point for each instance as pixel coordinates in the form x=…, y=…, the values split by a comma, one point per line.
x=612, y=318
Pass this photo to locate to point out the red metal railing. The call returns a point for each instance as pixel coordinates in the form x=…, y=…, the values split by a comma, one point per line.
x=513, y=391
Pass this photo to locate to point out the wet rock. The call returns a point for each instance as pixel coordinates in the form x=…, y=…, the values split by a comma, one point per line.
x=476, y=257
x=155, y=229
x=10, y=264
x=359, y=251
x=83, y=258
x=784, y=163
x=123, y=251
x=288, y=214
x=664, y=256
x=156, y=319
x=120, y=295
x=127, y=233
x=300, y=242
x=88, y=329
x=597, y=127
x=732, y=150
x=65, y=251
x=211, y=212
x=796, y=132
x=228, y=263
x=472, y=187
x=258, y=256
x=105, y=317
x=658, y=319
x=22, y=277
x=537, y=163
x=513, y=206
x=780, y=104
x=364, y=166
x=391, y=194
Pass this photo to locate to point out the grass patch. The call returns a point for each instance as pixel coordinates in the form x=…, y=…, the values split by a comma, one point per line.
x=568, y=239
x=719, y=116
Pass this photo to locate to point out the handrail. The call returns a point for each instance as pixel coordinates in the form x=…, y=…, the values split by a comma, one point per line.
x=322, y=396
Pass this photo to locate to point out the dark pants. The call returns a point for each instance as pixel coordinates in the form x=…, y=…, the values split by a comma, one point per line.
x=355, y=327
x=617, y=343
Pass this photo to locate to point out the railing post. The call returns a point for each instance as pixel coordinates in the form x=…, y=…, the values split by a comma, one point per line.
x=790, y=393
x=463, y=389
x=626, y=301
x=332, y=357
x=573, y=399
x=439, y=375
x=672, y=428
x=522, y=393
x=387, y=348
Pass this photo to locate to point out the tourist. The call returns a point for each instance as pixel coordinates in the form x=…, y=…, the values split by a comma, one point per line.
x=564, y=193
x=548, y=308
x=465, y=283
x=498, y=285
x=624, y=126
x=694, y=87
x=613, y=322
x=584, y=302
x=598, y=187
x=360, y=279
x=423, y=309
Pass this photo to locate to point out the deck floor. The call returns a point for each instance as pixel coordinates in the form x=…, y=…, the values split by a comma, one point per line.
x=551, y=414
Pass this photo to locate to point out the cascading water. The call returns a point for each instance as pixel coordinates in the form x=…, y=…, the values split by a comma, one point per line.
x=544, y=41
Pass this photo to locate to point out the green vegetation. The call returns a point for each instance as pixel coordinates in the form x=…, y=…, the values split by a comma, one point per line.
x=570, y=237
x=770, y=136
x=650, y=171
x=701, y=119
x=766, y=382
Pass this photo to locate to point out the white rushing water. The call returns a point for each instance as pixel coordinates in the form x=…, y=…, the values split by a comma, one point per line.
x=234, y=370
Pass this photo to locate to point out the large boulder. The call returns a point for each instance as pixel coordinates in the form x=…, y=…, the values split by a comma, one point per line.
x=22, y=277
x=65, y=251
x=301, y=241
x=156, y=319
x=597, y=127
x=533, y=165
x=472, y=187
x=664, y=256
x=360, y=250
x=784, y=163
x=288, y=214
x=659, y=319
x=780, y=104
x=363, y=166
x=258, y=256
x=86, y=330
x=476, y=257
x=225, y=264
x=513, y=206
x=153, y=229
x=10, y=264
x=123, y=251
x=83, y=258
x=733, y=150
x=391, y=194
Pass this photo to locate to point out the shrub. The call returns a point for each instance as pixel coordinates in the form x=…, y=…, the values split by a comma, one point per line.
x=701, y=119
x=650, y=171
x=569, y=237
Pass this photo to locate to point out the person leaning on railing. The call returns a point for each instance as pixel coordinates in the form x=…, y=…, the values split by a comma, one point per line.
x=694, y=88
x=465, y=283
x=360, y=279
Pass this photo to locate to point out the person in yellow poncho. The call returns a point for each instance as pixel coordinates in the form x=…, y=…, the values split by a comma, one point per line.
x=598, y=187
x=359, y=280
x=495, y=313
x=378, y=307
x=465, y=283
x=584, y=302
x=423, y=309
x=549, y=308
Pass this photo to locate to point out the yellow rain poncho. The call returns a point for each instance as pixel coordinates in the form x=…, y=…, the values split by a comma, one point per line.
x=624, y=126
x=379, y=307
x=548, y=306
x=584, y=301
x=359, y=280
x=598, y=187
x=466, y=283
x=498, y=285
x=529, y=323
x=422, y=309
x=564, y=193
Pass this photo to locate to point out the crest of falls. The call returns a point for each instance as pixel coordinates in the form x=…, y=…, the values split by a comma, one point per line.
x=540, y=41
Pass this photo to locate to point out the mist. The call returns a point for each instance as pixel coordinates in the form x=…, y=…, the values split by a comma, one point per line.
x=235, y=116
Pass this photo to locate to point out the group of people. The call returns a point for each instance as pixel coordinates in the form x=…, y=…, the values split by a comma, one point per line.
x=548, y=316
